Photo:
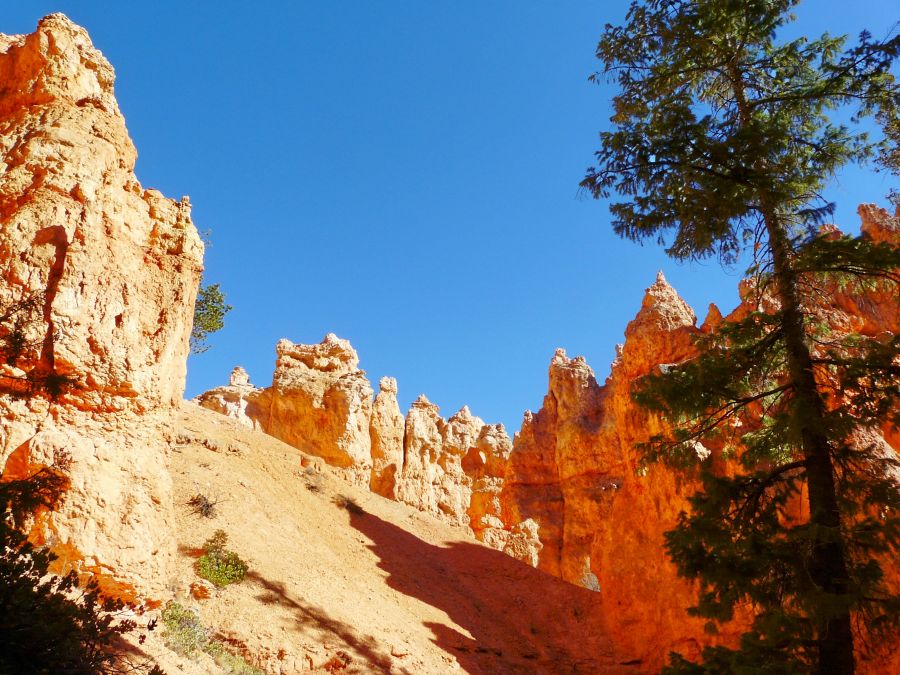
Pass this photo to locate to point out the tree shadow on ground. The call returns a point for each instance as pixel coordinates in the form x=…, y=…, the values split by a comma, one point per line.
x=517, y=619
x=362, y=648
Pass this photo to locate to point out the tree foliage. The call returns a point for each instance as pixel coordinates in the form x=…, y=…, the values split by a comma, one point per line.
x=724, y=138
x=209, y=316
x=50, y=623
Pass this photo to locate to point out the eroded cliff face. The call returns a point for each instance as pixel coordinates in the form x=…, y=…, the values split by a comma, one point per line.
x=567, y=494
x=105, y=276
x=321, y=403
x=573, y=468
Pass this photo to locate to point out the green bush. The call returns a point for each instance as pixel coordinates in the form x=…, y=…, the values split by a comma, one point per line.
x=186, y=635
x=219, y=565
x=183, y=631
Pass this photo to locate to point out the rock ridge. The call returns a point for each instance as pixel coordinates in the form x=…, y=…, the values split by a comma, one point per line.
x=565, y=494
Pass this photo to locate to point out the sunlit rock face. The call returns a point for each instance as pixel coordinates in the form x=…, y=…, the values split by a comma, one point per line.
x=233, y=399
x=321, y=402
x=386, y=431
x=574, y=466
x=112, y=269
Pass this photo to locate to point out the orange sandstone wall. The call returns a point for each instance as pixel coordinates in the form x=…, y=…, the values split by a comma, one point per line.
x=114, y=269
x=565, y=494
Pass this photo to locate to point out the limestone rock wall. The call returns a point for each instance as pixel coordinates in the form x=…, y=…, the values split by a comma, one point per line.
x=110, y=272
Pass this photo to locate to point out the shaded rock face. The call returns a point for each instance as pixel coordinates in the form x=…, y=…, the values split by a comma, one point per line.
x=113, y=271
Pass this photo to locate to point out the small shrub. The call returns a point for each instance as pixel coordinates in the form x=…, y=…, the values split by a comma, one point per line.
x=183, y=631
x=219, y=565
x=186, y=635
x=203, y=505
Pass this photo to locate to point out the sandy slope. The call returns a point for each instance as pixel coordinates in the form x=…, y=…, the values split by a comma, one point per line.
x=336, y=569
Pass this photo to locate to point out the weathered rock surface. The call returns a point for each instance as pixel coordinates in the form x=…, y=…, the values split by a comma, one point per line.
x=386, y=431
x=485, y=465
x=573, y=466
x=234, y=399
x=112, y=270
x=321, y=402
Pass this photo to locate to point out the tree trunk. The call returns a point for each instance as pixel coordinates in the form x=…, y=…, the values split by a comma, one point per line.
x=828, y=564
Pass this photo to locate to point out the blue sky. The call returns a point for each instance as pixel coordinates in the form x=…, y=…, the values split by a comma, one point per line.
x=404, y=174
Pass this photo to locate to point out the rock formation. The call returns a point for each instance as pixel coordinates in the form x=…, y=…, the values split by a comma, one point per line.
x=567, y=494
x=104, y=275
x=321, y=402
x=573, y=468
x=386, y=431
x=233, y=399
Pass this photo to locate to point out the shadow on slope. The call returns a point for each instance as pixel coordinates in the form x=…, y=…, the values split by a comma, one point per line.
x=518, y=619
x=363, y=648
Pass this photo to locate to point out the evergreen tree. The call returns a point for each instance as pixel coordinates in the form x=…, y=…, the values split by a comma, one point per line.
x=209, y=316
x=724, y=138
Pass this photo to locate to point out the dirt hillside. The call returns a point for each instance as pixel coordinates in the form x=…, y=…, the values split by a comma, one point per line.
x=343, y=580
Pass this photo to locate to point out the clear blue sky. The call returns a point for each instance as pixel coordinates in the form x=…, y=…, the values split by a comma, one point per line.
x=403, y=174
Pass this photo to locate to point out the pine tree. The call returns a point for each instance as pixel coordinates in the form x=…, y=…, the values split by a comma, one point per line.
x=209, y=316
x=723, y=138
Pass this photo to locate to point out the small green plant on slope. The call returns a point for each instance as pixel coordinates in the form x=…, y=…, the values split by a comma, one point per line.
x=218, y=564
x=186, y=635
x=209, y=316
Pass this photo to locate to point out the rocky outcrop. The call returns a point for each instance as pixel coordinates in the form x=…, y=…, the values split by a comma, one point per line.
x=386, y=431
x=485, y=464
x=321, y=402
x=432, y=478
x=100, y=275
x=575, y=470
x=234, y=399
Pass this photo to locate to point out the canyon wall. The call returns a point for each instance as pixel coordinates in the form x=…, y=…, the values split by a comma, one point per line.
x=322, y=403
x=568, y=494
x=98, y=278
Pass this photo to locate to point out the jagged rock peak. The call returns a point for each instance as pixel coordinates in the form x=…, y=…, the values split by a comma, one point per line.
x=239, y=377
x=464, y=414
x=663, y=308
x=332, y=354
x=423, y=402
x=878, y=224
x=713, y=319
x=388, y=385
x=561, y=363
x=58, y=62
